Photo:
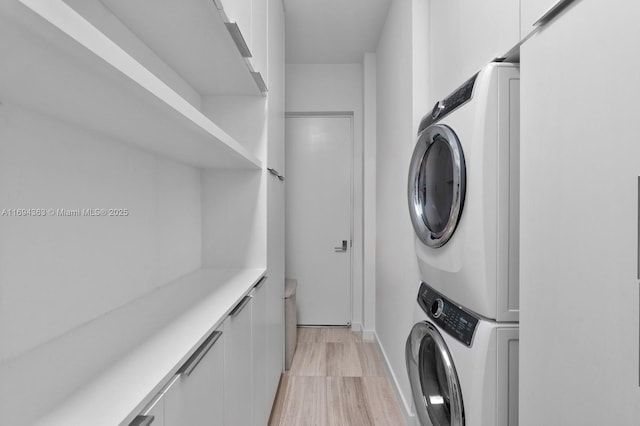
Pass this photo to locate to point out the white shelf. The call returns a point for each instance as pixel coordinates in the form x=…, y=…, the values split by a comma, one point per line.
x=103, y=372
x=57, y=63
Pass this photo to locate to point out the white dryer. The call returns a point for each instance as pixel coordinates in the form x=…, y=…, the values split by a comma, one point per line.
x=463, y=369
x=463, y=193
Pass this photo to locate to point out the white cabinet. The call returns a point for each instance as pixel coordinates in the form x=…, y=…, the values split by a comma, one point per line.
x=261, y=404
x=240, y=13
x=196, y=396
x=157, y=414
x=124, y=105
x=275, y=200
x=153, y=414
x=246, y=399
x=259, y=38
x=579, y=216
x=465, y=35
x=247, y=23
x=238, y=398
x=224, y=382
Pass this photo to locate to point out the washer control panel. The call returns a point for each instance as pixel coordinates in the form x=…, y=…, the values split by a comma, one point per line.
x=452, y=318
x=461, y=95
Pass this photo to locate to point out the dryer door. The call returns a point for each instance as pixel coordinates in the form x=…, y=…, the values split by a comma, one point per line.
x=437, y=180
x=434, y=381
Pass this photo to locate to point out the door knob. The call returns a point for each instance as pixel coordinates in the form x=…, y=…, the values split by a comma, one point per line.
x=341, y=248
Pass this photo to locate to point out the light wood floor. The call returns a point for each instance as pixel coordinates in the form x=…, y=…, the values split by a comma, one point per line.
x=336, y=379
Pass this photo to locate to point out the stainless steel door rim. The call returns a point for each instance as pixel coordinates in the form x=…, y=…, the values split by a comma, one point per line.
x=434, y=381
x=437, y=184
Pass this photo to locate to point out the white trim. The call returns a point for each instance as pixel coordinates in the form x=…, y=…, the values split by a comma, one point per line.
x=369, y=195
x=357, y=327
x=369, y=335
x=406, y=406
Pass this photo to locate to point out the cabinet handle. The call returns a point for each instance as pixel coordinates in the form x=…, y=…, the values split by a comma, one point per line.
x=195, y=359
x=237, y=37
x=275, y=173
x=142, y=421
x=240, y=306
x=553, y=12
x=260, y=283
x=257, y=77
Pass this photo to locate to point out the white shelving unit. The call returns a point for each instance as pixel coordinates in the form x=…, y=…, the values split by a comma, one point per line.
x=67, y=68
x=161, y=112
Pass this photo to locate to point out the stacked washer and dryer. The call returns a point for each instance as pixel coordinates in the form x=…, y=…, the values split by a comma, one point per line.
x=462, y=357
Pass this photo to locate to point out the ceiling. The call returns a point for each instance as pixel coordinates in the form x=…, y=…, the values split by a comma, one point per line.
x=332, y=31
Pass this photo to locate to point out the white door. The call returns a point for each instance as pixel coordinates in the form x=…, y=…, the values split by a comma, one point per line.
x=318, y=216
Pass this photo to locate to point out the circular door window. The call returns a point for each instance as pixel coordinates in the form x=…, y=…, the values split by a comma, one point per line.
x=437, y=180
x=434, y=381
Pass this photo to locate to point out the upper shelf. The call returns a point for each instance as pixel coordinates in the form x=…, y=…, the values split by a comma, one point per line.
x=57, y=63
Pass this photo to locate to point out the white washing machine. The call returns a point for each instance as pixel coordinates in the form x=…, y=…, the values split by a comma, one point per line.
x=463, y=369
x=463, y=193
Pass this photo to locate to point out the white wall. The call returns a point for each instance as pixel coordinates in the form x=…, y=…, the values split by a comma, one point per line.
x=59, y=272
x=400, y=90
x=234, y=219
x=580, y=162
x=465, y=35
x=323, y=88
x=369, y=197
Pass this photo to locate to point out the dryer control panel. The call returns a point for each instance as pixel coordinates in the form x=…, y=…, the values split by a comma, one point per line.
x=450, y=317
x=460, y=96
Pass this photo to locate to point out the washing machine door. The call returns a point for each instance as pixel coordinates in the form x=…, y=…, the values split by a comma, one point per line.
x=434, y=381
x=437, y=180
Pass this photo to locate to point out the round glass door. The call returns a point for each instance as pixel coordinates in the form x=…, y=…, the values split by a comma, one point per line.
x=434, y=381
x=437, y=180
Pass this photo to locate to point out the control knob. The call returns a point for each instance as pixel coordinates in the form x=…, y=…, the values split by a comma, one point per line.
x=437, y=109
x=436, y=308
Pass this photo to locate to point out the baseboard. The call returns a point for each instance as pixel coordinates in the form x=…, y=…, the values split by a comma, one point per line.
x=405, y=405
x=356, y=326
x=369, y=335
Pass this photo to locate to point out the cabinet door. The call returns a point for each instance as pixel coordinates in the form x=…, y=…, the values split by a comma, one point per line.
x=275, y=286
x=261, y=405
x=196, y=397
x=238, y=398
x=275, y=200
x=579, y=173
x=152, y=416
x=239, y=12
x=259, y=37
x=157, y=413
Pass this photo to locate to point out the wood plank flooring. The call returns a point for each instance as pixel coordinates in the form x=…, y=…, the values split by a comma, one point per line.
x=336, y=379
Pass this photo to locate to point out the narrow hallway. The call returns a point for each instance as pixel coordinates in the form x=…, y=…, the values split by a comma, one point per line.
x=336, y=379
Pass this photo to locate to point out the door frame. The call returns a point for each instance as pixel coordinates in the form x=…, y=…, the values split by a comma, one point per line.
x=352, y=208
